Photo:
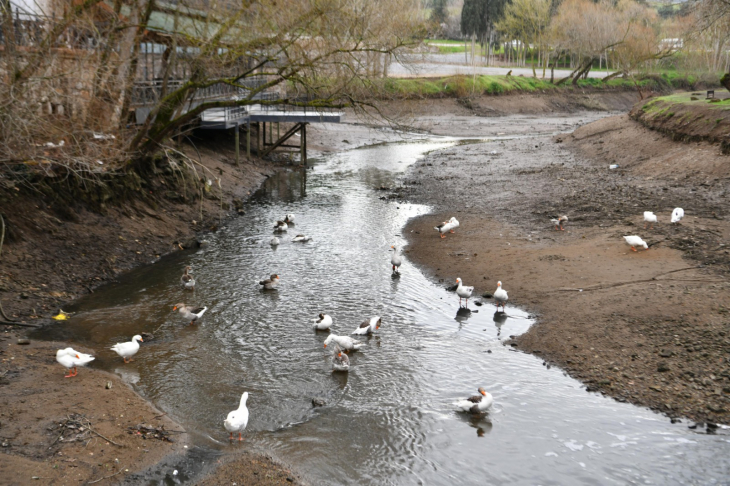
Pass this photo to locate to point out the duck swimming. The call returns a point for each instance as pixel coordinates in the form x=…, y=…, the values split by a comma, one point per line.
x=476, y=404
x=190, y=312
x=187, y=280
x=270, y=283
x=368, y=326
x=345, y=342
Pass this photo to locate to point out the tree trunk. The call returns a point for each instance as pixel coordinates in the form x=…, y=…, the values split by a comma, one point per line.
x=725, y=80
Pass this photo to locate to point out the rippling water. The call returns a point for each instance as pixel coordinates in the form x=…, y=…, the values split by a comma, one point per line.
x=390, y=419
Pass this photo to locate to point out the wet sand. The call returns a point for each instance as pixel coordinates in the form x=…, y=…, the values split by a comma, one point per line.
x=646, y=327
x=36, y=403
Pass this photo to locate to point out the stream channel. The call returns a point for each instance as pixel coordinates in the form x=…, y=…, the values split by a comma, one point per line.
x=390, y=420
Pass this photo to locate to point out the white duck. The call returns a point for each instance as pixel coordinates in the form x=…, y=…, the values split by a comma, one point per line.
x=345, y=342
x=274, y=241
x=270, y=283
x=649, y=219
x=281, y=226
x=340, y=361
x=677, y=215
x=190, y=312
x=476, y=404
x=454, y=224
x=187, y=280
x=289, y=218
x=128, y=349
x=463, y=292
x=634, y=240
x=559, y=222
x=71, y=359
x=368, y=326
x=396, y=259
x=449, y=226
x=301, y=239
x=500, y=296
x=237, y=420
x=323, y=323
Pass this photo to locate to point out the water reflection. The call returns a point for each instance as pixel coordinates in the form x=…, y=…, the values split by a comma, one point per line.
x=499, y=319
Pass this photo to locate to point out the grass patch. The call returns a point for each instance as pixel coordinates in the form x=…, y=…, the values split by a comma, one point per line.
x=465, y=86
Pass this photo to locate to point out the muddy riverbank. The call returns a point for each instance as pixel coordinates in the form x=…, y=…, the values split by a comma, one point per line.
x=651, y=327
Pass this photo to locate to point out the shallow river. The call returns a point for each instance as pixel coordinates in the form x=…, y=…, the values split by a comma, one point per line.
x=390, y=420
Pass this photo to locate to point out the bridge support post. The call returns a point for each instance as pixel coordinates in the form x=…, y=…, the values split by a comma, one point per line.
x=248, y=139
x=303, y=144
x=238, y=143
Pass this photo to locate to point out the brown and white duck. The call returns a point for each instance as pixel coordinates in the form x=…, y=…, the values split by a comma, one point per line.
x=476, y=404
x=190, y=312
x=281, y=226
x=368, y=326
x=270, y=283
x=187, y=280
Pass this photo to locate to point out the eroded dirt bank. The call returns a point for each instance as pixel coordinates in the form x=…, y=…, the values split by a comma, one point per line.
x=650, y=327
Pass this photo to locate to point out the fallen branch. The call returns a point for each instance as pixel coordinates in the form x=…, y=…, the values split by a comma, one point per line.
x=106, y=439
x=21, y=324
x=106, y=477
x=2, y=311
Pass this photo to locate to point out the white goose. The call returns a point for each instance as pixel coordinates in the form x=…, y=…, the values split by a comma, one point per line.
x=368, y=326
x=635, y=240
x=190, y=312
x=500, y=296
x=449, y=226
x=649, y=219
x=396, y=259
x=187, y=280
x=280, y=226
x=274, y=241
x=340, y=361
x=301, y=239
x=476, y=404
x=677, y=215
x=128, y=349
x=463, y=292
x=345, y=342
x=559, y=222
x=237, y=420
x=71, y=359
x=323, y=323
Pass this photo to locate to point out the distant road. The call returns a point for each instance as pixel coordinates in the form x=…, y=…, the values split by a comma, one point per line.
x=433, y=65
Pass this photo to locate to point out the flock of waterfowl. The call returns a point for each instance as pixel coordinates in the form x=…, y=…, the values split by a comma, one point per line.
x=237, y=420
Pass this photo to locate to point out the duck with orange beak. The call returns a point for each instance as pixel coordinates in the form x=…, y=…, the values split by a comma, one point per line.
x=340, y=361
x=463, y=292
x=128, y=349
x=190, y=312
x=368, y=326
x=476, y=404
x=500, y=296
x=71, y=359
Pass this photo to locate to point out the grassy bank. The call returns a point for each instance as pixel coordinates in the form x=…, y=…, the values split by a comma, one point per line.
x=464, y=86
x=689, y=117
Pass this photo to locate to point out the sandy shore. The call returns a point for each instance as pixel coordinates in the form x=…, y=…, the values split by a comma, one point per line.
x=57, y=430
x=647, y=327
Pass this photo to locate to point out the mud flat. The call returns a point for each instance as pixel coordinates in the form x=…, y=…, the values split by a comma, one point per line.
x=650, y=327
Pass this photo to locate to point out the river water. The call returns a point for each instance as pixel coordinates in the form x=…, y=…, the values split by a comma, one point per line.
x=390, y=419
